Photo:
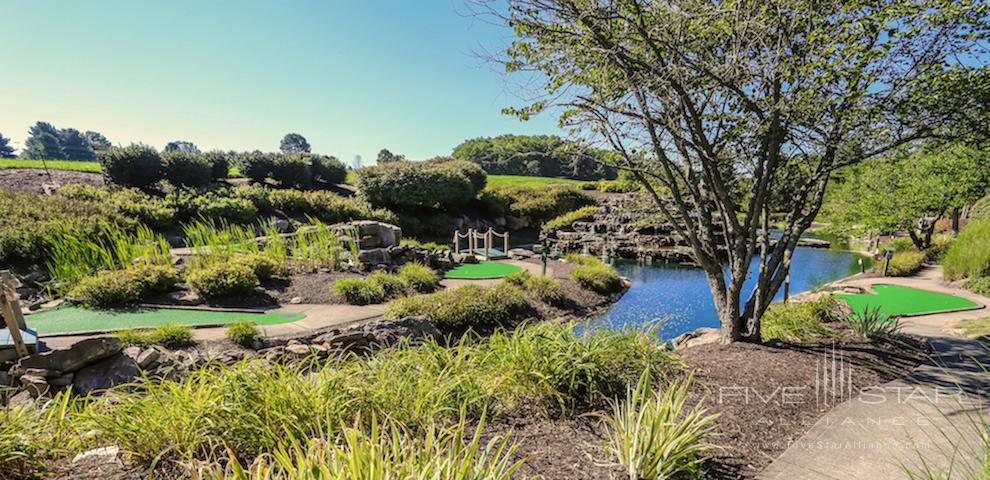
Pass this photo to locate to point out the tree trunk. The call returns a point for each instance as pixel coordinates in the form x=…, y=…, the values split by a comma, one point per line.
x=955, y=220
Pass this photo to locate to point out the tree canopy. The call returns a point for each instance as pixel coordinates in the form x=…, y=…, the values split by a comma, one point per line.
x=540, y=155
x=6, y=150
x=181, y=146
x=43, y=142
x=294, y=143
x=75, y=146
x=743, y=108
x=97, y=141
x=385, y=156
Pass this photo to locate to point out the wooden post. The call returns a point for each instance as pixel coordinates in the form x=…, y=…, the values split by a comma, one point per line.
x=505, y=242
x=12, y=317
x=457, y=242
x=488, y=244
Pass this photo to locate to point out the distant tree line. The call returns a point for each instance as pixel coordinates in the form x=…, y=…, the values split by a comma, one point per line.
x=540, y=155
x=47, y=142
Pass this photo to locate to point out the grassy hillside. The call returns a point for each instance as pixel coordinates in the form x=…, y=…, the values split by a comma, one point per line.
x=52, y=164
x=528, y=181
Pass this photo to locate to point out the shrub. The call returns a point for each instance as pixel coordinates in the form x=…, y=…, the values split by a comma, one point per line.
x=393, y=286
x=800, y=321
x=565, y=220
x=186, y=169
x=979, y=286
x=219, y=164
x=324, y=206
x=872, y=324
x=466, y=307
x=214, y=207
x=223, y=279
x=134, y=166
x=595, y=275
x=537, y=204
x=653, y=436
x=123, y=287
x=903, y=263
x=359, y=291
x=292, y=171
x=263, y=267
x=129, y=202
x=256, y=165
x=980, y=209
x=544, y=287
x=518, y=278
x=169, y=335
x=328, y=169
x=419, y=184
x=420, y=277
x=940, y=245
x=969, y=254
x=242, y=332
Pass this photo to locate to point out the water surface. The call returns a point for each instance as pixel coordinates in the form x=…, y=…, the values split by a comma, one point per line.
x=680, y=297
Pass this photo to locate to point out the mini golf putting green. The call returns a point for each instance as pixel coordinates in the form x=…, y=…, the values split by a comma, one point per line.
x=482, y=270
x=69, y=319
x=897, y=300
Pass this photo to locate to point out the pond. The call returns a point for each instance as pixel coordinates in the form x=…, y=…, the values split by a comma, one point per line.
x=679, y=296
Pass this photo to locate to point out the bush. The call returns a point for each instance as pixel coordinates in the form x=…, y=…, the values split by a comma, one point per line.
x=420, y=277
x=565, y=220
x=219, y=164
x=134, y=166
x=969, y=254
x=256, y=165
x=979, y=286
x=871, y=323
x=430, y=184
x=393, y=286
x=538, y=205
x=292, y=171
x=223, y=279
x=903, y=263
x=359, y=291
x=544, y=287
x=185, y=169
x=263, y=267
x=800, y=321
x=169, y=335
x=328, y=169
x=242, y=332
x=595, y=275
x=940, y=245
x=129, y=202
x=466, y=307
x=324, y=206
x=123, y=287
x=980, y=210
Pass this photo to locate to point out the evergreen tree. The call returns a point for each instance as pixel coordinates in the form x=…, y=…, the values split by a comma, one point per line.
x=181, y=146
x=6, y=151
x=75, y=146
x=43, y=142
x=97, y=141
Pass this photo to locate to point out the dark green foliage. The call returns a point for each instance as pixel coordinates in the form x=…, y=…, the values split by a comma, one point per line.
x=292, y=171
x=129, y=202
x=181, y=146
x=359, y=291
x=75, y=146
x=466, y=307
x=123, y=287
x=170, y=335
x=219, y=164
x=219, y=204
x=6, y=151
x=385, y=156
x=97, y=141
x=256, y=165
x=539, y=155
x=293, y=143
x=242, y=332
x=979, y=286
x=434, y=183
x=324, y=206
x=186, y=169
x=134, y=166
x=538, y=205
x=43, y=142
x=223, y=279
x=327, y=169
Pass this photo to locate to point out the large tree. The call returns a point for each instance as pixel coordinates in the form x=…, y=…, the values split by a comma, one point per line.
x=6, y=151
x=181, y=146
x=385, y=156
x=43, y=142
x=908, y=190
x=97, y=141
x=743, y=108
x=75, y=146
x=294, y=143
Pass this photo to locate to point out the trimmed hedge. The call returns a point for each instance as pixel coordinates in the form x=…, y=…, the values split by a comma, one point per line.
x=466, y=307
x=186, y=169
x=134, y=166
x=223, y=279
x=123, y=287
x=432, y=184
x=292, y=171
x=219, y=164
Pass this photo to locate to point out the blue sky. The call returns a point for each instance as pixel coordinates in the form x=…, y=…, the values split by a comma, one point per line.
x=352, y=76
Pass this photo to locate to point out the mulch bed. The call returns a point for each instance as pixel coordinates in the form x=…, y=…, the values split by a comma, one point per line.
x=306, y=288
x=31, y=179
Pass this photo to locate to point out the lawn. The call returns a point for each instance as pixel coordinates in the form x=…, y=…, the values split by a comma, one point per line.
x=51, y=164
x=897, y=300
x=529, y=181
x=77, y=319
x=482, y=270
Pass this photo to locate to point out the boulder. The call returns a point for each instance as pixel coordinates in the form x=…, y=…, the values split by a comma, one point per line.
x=148, y=359
x=372, y=234
x=35, y=385
x=72, y=358
x=374, y=256
x=519, y=253
x=103, y=375
x=185, y=297
x=388, y=333
x=701, y=336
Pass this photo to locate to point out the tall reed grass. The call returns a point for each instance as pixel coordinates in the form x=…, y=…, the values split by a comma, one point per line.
x=969, y=255
x=75, y=254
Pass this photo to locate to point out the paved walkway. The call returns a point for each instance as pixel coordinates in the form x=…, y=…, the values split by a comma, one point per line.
x=929, y=423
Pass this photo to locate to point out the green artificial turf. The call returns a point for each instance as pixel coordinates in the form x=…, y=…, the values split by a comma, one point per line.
x=71, y=319
x=482, y=270
x=898, y=300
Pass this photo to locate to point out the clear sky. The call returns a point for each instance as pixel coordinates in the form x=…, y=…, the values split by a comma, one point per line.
x=352, y=76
